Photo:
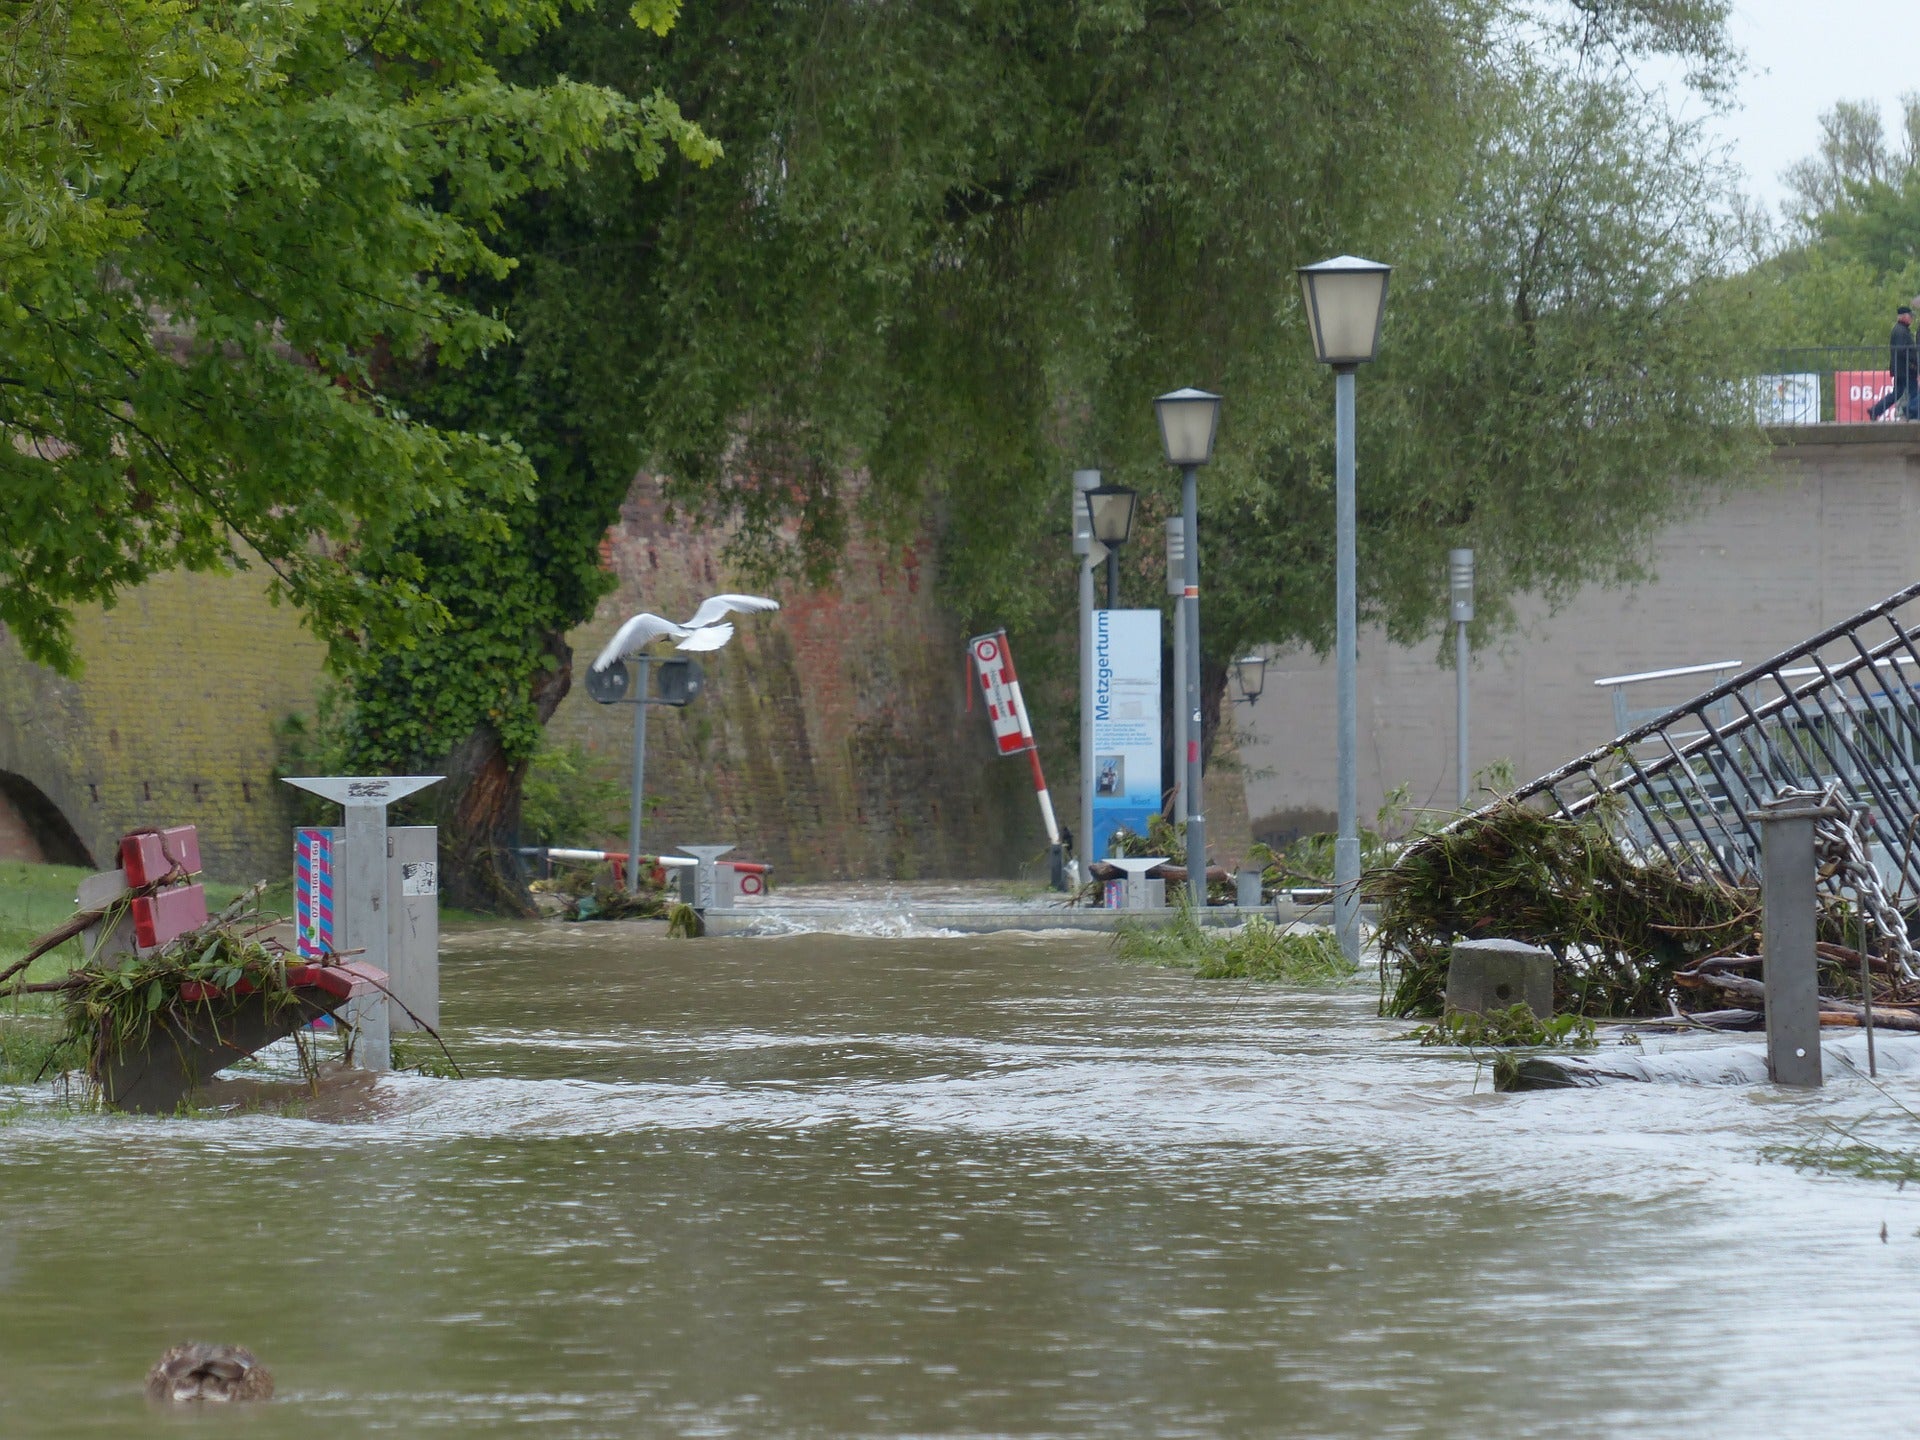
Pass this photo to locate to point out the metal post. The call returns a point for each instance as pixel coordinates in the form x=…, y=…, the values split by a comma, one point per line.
x=639, y=777
x=363, y=927
x=1176, y=587
x=1461, y=763
x=1789, y=967
x=1460, y=591
x=1190, y=606
x=1083, y=481
x=1346, y=849
x=1113, y=577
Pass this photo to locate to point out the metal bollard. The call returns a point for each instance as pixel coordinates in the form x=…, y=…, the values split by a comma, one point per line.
x=1248, y=896
x=710, y=892
x=1789, y=908
x=1134, y=889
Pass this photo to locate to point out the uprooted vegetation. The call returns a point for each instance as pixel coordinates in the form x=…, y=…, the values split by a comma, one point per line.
x=1622, y=926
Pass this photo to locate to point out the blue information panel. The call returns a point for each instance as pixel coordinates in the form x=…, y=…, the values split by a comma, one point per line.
x=1126, y=723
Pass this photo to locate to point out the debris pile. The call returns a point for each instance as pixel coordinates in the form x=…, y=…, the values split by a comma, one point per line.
x=1632, y=935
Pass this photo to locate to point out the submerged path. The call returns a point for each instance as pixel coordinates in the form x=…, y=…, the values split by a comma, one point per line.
x=866, y=1186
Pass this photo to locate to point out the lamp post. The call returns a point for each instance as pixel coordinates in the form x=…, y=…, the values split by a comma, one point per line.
x=1188, y=421
x=1110, y=508
x=1176, y=587
x=1250, y=674
x=1460, y=592
x=1083, y=546
x=1345, y=299
x=680, y=682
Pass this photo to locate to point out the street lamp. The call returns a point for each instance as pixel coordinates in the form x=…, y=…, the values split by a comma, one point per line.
x=1250, y=673
x=1188, y=420
x=1345, y=300
x=1460, y=592
x=1110, y=510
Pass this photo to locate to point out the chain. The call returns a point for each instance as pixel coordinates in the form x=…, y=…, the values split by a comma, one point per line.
x=1840, y=851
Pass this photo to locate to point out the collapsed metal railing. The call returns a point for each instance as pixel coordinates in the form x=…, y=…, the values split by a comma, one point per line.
x=1841, y=709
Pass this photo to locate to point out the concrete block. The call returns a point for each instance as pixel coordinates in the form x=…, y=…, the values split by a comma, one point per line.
x=1488, y=975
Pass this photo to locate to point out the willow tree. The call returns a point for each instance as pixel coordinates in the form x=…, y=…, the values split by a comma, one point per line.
x=954, y=248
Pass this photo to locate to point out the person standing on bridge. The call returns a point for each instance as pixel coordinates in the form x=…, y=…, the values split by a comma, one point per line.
x=1903, y=363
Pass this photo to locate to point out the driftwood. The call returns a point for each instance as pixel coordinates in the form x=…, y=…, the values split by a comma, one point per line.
x=1754, y=990
x=1883, y=1018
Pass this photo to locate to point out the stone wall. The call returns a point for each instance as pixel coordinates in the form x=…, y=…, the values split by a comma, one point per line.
x=1830, y=525
x=170, y=721
x=832, y=738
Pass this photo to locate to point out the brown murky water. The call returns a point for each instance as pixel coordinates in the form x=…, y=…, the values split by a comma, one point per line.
x=843, y=1186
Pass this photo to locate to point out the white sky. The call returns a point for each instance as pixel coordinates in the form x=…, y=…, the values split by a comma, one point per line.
x=1802, y=56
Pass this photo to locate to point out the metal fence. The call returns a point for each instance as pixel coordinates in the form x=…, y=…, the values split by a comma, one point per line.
x=1823, y=384
x=1842, y=708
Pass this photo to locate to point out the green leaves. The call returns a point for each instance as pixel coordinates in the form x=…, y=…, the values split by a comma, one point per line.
x=222, y=227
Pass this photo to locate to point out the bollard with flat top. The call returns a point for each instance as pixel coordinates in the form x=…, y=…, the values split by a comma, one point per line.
x=1484, y=976
x=1136, y=892
x=1247, y=889
x=1788, y=910
x=362, y=909
x=708, y=890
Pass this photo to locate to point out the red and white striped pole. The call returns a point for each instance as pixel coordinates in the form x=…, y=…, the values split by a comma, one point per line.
x=1007, y=714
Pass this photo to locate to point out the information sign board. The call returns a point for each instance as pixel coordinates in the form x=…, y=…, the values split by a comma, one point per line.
x=1126, y=723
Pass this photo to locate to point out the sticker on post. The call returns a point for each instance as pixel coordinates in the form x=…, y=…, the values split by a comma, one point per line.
x=420, y=877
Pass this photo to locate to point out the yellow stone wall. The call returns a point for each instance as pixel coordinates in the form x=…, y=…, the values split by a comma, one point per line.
x=170, y=721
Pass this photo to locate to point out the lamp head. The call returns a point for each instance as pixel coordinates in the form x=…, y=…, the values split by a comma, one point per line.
x=1110, y=508
x=1346, y=298
x=1250, y=671
x=1188, y=420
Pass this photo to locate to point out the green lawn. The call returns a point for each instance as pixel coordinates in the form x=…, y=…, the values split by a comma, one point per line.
x=33, y=900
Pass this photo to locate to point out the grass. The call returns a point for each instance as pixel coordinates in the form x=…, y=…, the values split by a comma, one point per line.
x=1257, y=950
x=33, y=900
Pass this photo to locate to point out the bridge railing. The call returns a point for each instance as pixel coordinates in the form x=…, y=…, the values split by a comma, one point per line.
x=1821, y=384
x=1842, y=707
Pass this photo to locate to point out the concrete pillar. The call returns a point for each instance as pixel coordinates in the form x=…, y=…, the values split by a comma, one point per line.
x=1137, y=894
x=1488, y=975
x=1790, y=906
x=709, y=891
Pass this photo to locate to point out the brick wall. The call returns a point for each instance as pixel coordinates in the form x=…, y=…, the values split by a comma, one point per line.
x=170, y=721
x=831, y=738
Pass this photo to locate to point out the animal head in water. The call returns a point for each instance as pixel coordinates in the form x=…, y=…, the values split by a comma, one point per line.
x=198, y=1371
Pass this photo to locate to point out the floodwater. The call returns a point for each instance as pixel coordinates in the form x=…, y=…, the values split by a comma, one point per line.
x=835, y=1186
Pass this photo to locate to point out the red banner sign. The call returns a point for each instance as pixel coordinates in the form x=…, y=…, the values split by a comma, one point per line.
x=1854, y=393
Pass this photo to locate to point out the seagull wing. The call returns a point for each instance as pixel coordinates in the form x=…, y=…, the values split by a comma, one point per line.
x=634, y=636
x=718, y=607
x=707, y=637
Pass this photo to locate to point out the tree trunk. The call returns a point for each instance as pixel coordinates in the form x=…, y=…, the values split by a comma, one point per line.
x=479, y=805
x=1213, y=695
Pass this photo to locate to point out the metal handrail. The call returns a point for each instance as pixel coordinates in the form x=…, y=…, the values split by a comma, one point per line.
x=1688, y=780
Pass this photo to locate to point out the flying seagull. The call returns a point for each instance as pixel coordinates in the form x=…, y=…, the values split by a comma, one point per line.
x=705, y=631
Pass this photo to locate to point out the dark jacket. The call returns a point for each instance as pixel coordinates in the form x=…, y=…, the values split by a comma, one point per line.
x=1903, y=354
